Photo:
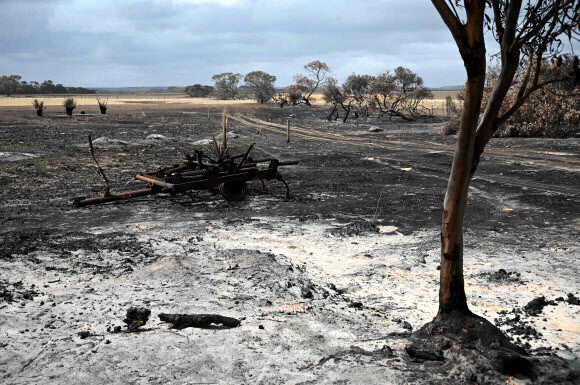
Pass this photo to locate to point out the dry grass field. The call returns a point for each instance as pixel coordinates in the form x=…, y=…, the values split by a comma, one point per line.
x=88, y=103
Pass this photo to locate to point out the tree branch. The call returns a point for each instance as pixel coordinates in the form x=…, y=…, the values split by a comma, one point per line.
x=526, y=78
x=497, y=18
x=511, y=23
x=552, y=13
x=451, y=21
x=520, y=100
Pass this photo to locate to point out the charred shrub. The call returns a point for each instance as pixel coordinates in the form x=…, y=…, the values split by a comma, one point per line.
x=38, y=106
x=102, y=106
x=69, y=105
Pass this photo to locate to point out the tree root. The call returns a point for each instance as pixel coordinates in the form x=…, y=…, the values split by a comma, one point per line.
x=473, y=348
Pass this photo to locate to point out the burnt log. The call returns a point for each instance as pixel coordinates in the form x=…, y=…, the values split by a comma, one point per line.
x=182, y=321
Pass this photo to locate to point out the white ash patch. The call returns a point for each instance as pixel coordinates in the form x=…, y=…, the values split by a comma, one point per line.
x=15, y=156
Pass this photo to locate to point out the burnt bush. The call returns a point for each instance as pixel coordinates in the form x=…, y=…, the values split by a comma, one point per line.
x=38, y=106
x=69, y=105
x=552, y=111
x=102, y=106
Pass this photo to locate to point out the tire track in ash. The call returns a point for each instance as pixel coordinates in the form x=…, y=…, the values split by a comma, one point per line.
x=546, y=159
x=427, y=147
x=536, y=158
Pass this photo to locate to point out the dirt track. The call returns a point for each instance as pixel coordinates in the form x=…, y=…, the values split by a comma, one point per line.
x=319, y=289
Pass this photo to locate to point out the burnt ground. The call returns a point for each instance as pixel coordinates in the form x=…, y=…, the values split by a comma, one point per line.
x=327, y=284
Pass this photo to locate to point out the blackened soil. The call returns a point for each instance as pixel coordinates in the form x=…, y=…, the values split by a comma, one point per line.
x=524, y=198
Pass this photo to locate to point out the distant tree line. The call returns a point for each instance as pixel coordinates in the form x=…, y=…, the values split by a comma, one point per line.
x=257, y=84
x=13, y=85
x=397, y=94
x=199, y=91
x=175, y=90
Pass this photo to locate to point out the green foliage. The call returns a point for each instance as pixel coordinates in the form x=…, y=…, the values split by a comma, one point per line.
x=69, y=104
x=226, y=85
x=9, y=84
x=75, y=90
x=199, y=91
x=12, y=85
x=261, y=85
x=175, y=90
x=332, y=92
x=398, y=94
x=38, y=104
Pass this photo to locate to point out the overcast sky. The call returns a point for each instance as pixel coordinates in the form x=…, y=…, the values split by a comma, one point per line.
x=119, y=43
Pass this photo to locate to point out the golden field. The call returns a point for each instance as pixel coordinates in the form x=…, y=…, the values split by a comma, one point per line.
x=139, y=101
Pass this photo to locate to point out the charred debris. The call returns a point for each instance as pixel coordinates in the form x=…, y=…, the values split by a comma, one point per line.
x=229, y=174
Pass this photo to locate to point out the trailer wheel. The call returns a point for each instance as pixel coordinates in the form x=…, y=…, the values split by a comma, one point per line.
x=234, y=191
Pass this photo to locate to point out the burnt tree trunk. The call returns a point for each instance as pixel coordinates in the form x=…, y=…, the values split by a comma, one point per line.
x=472, y=137
x=329, y=117
x=470, y=41
x=452, y=292
x=347, y=109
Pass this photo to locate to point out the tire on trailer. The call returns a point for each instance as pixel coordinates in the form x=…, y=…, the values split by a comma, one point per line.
x=234, y=191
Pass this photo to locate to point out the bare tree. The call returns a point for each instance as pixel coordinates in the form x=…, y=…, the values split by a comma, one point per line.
x=317, y=75
x=398, y=94
x=332, y=94
x=261, y=85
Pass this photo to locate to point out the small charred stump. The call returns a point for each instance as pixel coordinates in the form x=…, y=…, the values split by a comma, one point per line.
x=39, y=111
x=136, y=317
x=182, y=321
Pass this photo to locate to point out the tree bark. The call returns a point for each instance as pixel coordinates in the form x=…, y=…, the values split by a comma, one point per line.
x=452, y=292
x=347, y=109
x=471, y=45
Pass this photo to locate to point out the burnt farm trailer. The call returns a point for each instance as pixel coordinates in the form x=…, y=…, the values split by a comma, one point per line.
x=200, y=172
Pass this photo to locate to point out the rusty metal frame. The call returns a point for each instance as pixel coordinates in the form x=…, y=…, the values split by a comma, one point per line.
x=195, y=174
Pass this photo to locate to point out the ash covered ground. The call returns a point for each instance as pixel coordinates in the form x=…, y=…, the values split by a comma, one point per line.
x=328, y=284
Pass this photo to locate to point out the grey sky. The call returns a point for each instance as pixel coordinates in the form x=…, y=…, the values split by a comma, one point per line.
x=181, y=42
